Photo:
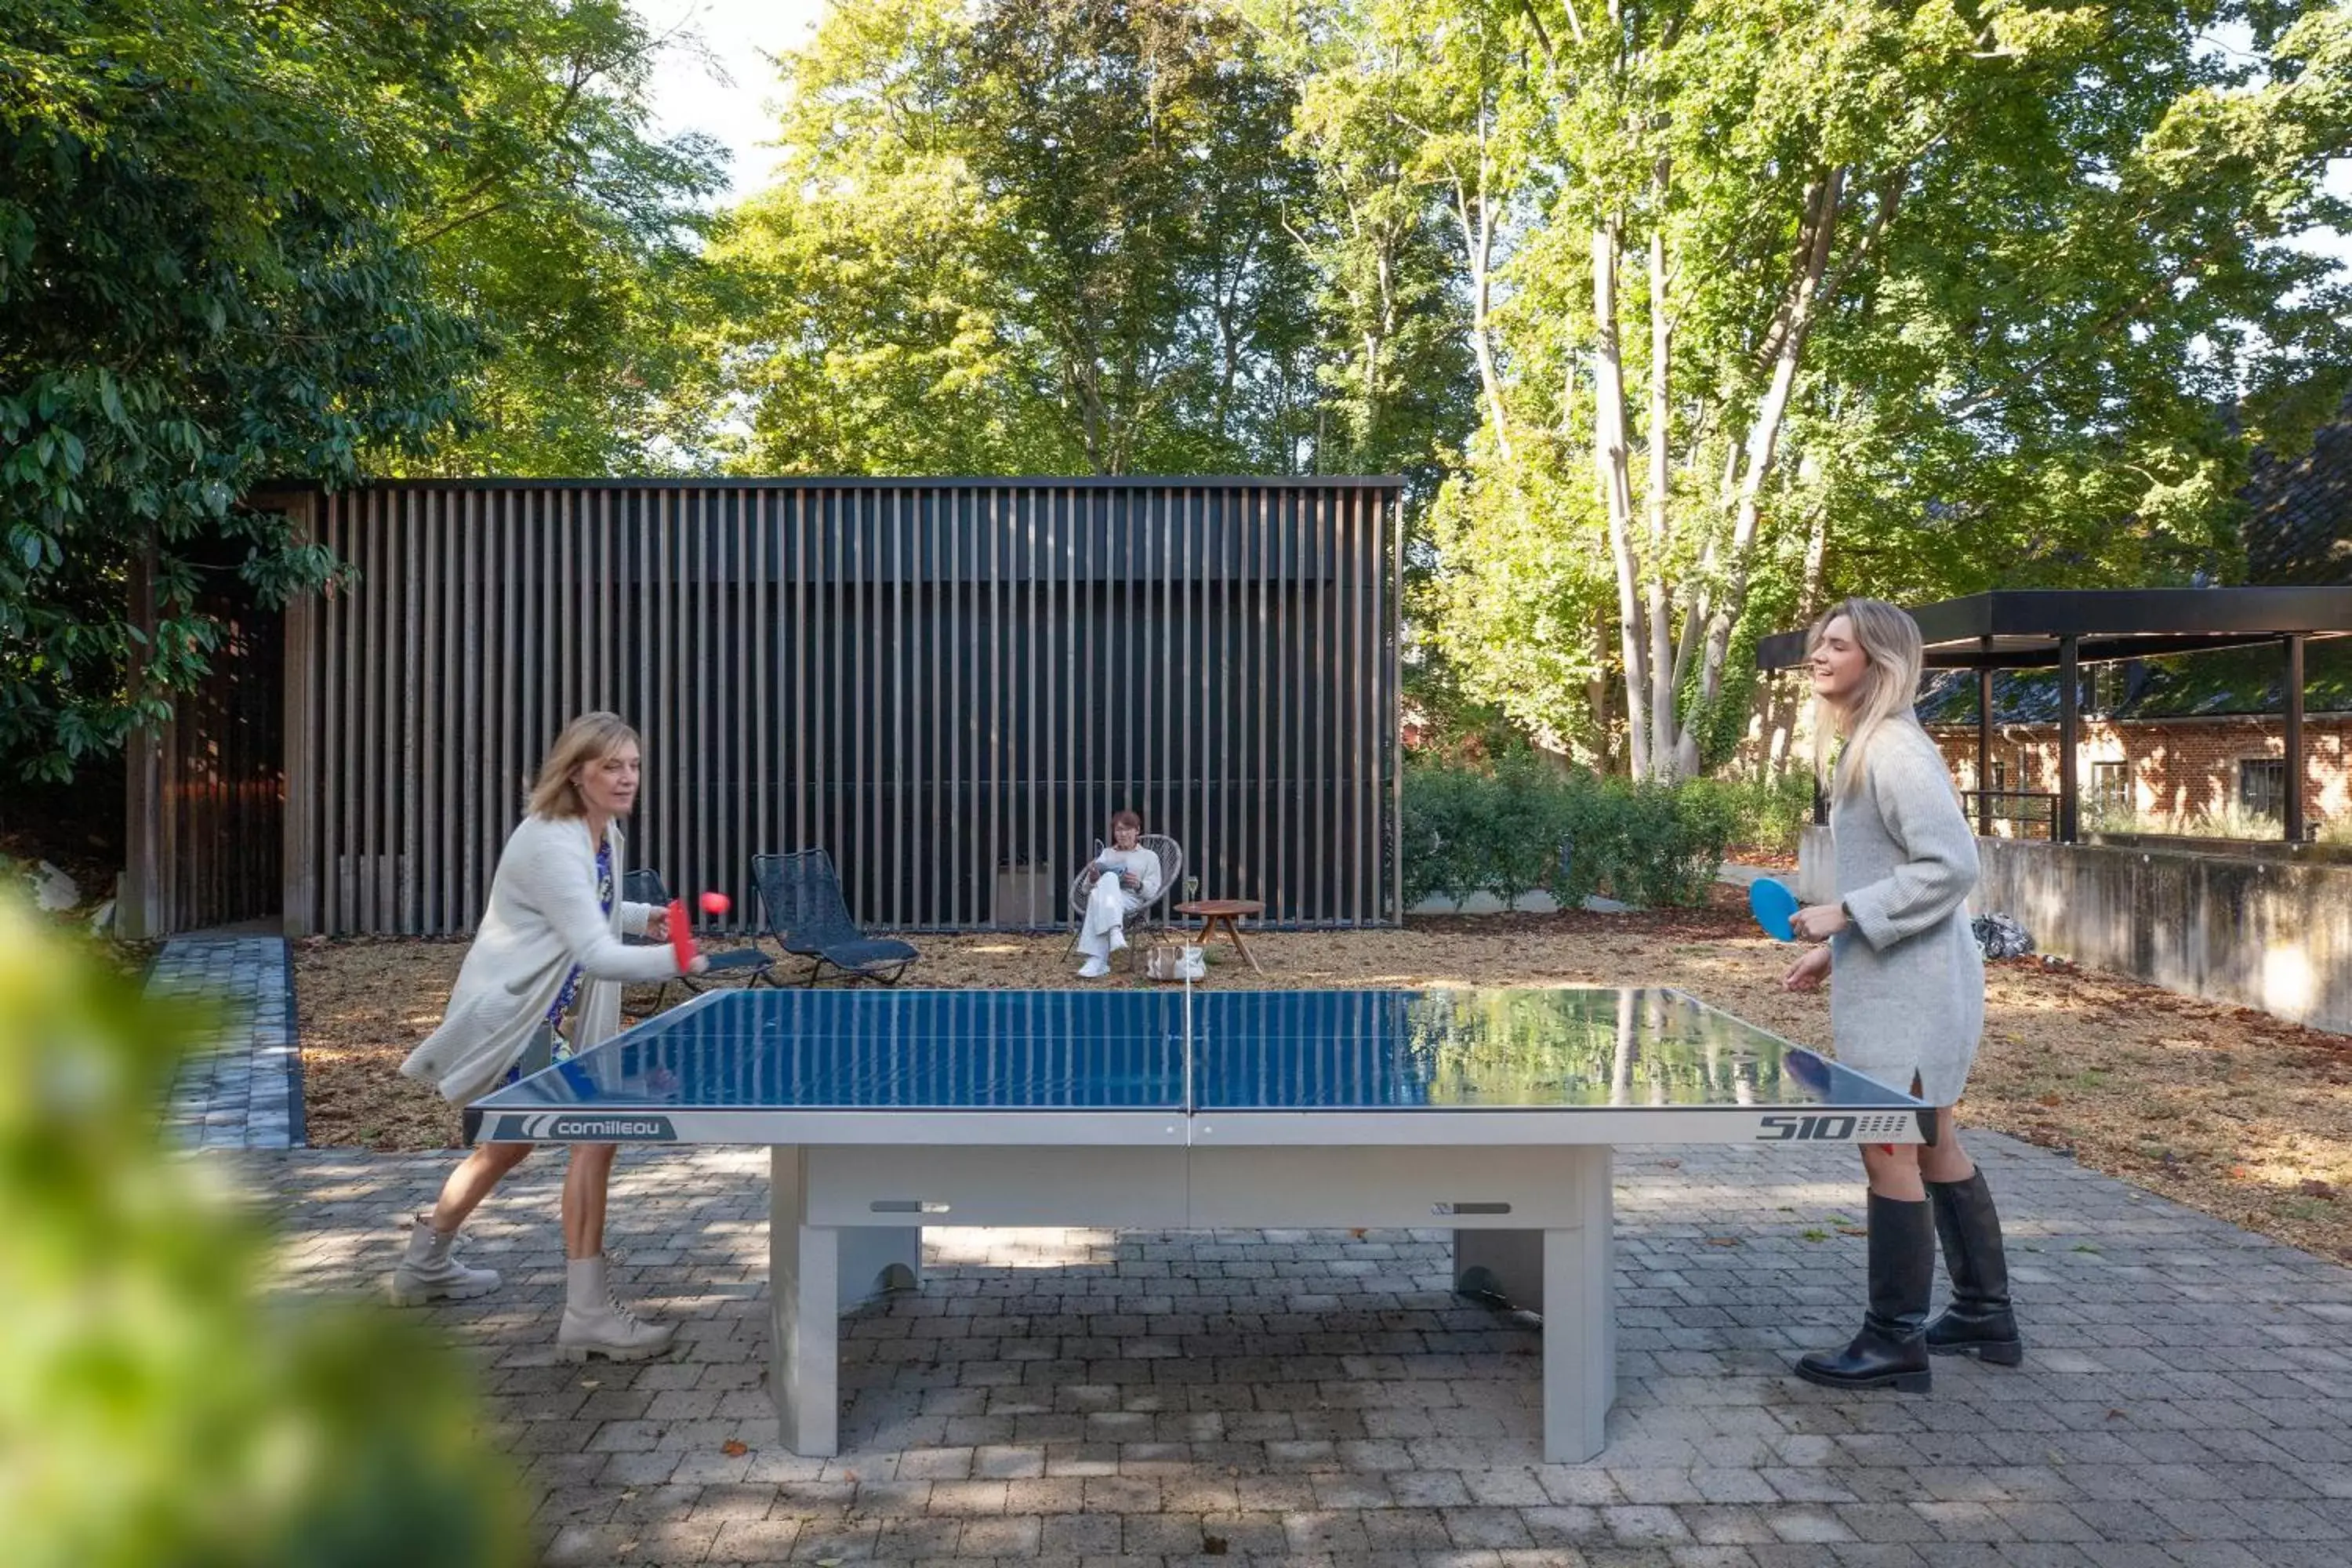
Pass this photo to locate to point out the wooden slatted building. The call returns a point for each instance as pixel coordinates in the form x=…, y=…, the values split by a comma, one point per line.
x=947, y=684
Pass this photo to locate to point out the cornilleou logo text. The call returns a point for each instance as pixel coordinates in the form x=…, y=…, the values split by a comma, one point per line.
x=583, y=1127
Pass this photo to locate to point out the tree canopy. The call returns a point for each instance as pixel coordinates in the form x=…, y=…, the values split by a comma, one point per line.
x=1680, y=316
x=313, y=239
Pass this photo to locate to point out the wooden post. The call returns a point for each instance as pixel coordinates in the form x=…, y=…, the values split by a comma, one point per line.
x=2293, y=802
x=299, y=765
x=1984, y=740
x=2070, y=736
x=143, y=907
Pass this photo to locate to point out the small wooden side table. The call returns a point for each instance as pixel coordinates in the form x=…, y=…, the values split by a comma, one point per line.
x=1225, y=912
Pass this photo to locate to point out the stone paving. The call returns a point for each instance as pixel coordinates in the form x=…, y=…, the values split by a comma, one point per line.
x=1076, y=1398
x=242, y=1093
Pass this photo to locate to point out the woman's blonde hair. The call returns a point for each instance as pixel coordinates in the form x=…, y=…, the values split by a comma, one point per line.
x=591, y=737
x=1889, y=641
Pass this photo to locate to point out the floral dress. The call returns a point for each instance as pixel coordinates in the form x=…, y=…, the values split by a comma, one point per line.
x=559, y=1049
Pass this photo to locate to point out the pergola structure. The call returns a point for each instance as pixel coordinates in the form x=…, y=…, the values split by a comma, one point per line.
x=2040, y=628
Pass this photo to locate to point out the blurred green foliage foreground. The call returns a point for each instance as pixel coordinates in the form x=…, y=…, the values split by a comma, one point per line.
x=158, y=1406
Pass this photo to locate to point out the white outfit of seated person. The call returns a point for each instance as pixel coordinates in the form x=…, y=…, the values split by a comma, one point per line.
x=1112, y=901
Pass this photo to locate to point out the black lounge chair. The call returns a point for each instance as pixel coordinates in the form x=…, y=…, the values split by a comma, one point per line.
x=808, y=916
x=644, y=886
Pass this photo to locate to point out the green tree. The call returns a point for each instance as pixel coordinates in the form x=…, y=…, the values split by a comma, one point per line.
x=569, y=235
x=200, y=285
x=248, y=240
x=160, y=1406
x=2001, y=294
x=1061, y=236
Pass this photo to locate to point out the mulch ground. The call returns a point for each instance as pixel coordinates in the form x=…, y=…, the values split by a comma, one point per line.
x=2229, y=1110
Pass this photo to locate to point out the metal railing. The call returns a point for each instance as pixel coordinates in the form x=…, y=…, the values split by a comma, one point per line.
x=2033, y=815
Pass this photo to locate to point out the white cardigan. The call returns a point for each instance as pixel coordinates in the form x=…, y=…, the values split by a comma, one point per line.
x=542, y=919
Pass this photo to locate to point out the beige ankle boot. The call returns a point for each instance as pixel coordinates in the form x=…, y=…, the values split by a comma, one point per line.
x=428, y=1270
x=594, y=1321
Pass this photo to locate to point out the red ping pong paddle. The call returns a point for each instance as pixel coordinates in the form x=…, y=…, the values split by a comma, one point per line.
x=681, y=939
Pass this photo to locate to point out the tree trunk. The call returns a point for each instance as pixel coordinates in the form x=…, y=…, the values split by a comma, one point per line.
x=1664, y=727
x=1479, y=244
x=1610, y=460
x=1764, y=431
x=1808, y=603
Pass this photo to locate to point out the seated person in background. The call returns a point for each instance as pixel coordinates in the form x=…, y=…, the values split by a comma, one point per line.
x=1123, y=877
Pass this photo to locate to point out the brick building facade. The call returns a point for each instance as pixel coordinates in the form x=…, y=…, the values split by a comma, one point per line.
x=2180, y=768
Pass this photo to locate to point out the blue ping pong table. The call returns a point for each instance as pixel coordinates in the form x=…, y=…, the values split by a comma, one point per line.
x=1491, y=1114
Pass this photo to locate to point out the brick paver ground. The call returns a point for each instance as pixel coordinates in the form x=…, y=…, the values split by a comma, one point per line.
x=1077, y=1396
x=242, y=1093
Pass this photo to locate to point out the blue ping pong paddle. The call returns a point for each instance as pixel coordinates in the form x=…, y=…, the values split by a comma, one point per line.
x=1773, y=903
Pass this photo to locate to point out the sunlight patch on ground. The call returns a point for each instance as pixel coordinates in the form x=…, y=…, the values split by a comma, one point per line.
x=1017, y=1247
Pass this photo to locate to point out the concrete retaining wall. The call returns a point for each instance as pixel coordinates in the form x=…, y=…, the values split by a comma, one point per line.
x=2261, y=934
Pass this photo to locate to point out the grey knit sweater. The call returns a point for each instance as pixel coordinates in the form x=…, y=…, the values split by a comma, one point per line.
x=1908, y=987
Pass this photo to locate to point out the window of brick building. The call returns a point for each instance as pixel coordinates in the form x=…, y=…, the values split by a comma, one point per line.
x=2262, y=786
x=2111, y=788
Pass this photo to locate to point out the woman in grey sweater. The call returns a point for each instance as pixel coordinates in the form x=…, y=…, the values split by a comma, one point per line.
x=1909, y=1005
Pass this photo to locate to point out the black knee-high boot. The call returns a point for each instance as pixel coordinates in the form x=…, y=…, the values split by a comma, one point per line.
x=1978, y=1322
x=1891, y=1348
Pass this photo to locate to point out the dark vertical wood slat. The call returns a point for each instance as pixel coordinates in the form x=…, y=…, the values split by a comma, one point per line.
x=474, y=544
x=826, y=676
x=432, y=716
x=695, y=768
x=2070, y=738
x=981, y=866
x=800, y=635
x=301, y=643
x=373, y=774
x=901, y=702
x=1185, y=762
x=510, y=658
x=1037, y=659
x=350, y=686
x=763, y=647
x=408, y=849
x=1984, y=743
x=1393, y=709
x=1287, y=763
x=940, y=589
x=1348, y=821
x=1364, y=557
x=1070, y=763
x=1323, y=867
x=2291, y=807
x=857, y=720
x=878, y=714
x=677, y=708
x=952, y=533
x=1092, y=697
x=749, y=770
x=455, y=911
x=1266, y=724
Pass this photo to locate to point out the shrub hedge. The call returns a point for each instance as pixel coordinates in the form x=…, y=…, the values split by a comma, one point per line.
x=1525, y=824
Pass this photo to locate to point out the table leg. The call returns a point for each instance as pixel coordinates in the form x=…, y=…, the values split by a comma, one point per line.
x=1234, y=929
x=1563, y=1274
x=804, y=1287
x=1580, y=1320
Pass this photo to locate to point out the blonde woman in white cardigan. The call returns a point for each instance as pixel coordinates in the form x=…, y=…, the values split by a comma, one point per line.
x=542, y=979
